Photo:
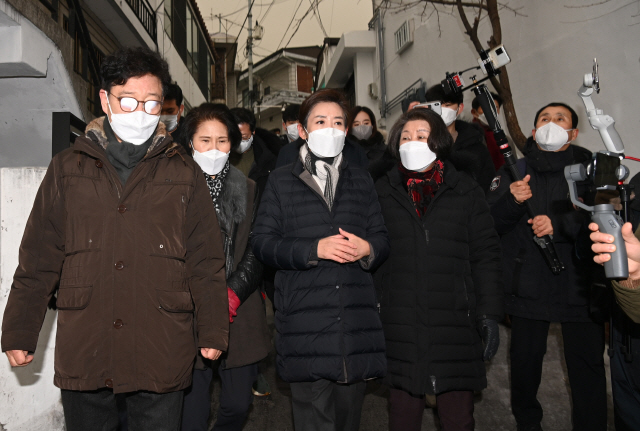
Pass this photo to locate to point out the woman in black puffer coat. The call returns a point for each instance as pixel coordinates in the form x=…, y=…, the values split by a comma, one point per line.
x=440, y=288
x=319, y=224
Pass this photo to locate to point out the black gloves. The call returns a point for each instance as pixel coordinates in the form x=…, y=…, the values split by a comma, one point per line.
x=490, y=333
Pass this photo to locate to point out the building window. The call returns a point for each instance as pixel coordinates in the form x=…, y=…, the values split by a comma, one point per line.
x=267, y=91
x=168, y=18
x=78, y=55
x=404, y=36
x=192, y=43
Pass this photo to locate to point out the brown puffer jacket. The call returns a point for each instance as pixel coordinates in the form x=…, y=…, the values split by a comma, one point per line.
x=134, y=263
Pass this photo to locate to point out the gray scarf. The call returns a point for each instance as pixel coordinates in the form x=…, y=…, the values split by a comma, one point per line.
x=325, y=174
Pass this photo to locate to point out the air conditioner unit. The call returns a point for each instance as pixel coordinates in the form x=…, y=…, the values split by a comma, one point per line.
x=373, y=90
x=404, y=36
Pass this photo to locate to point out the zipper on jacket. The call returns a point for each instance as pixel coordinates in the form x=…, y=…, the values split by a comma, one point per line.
x=426, y=235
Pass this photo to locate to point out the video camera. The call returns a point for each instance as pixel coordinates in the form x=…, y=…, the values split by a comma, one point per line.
x=489, y=62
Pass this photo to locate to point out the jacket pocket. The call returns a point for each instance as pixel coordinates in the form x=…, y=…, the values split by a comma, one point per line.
x=74, y=297
x=175, y=301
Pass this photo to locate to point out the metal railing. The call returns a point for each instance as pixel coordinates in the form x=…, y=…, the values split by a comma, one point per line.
x=410, y=90
x=146, y=16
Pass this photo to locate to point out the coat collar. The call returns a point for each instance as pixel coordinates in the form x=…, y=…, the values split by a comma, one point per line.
x=95, y=132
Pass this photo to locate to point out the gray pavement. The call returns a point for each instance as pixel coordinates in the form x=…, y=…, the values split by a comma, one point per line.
x=492, y=407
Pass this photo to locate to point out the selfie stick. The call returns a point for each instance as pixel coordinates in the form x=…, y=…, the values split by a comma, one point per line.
x=489, y=109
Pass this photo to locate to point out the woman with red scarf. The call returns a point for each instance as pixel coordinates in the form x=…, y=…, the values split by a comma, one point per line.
x=439, y=290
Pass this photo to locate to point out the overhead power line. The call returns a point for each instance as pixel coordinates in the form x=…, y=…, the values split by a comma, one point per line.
x=289, y=26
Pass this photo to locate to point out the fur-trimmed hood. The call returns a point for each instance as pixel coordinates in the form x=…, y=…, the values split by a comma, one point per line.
x=95, y=132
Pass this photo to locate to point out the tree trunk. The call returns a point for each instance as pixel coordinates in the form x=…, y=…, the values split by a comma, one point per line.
x=503, y=86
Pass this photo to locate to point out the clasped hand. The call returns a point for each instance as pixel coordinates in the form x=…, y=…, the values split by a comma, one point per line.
x=344, y=247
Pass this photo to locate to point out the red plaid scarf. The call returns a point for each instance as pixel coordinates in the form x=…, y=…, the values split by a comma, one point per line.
x=422, y=186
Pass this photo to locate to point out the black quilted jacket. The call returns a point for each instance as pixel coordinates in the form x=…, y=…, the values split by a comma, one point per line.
x=327, y=323
x=441, y=277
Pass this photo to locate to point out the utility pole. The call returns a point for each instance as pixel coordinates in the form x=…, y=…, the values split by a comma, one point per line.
x=250, y=57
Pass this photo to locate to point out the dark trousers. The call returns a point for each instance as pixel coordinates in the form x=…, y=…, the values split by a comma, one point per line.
x=583, y=353
x=235, y=399
x=455, y=410
x=327, y=406
x=97, y=410
x=625, y=376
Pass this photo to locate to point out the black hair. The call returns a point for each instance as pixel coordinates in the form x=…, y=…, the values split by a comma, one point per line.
x=290, y=113
x=174, y=93
x=358, y=109
x=208, y=112
x=326, y=95
x=243, y=115
x=439, y=140
x=117, y=68
x=574, y=115
x=436, y=92
x=496, y=98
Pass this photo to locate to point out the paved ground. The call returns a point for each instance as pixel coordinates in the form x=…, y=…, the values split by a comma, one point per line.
x=492, y=407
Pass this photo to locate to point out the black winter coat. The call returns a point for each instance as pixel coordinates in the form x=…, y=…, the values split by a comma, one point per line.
x=327, y=322
x=531, y=289
x=470, y=154
x=374, y=147
x=266, y=146
x=351, y=152
x=442, y=276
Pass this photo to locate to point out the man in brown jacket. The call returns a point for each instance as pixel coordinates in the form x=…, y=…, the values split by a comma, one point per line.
x=124, y=229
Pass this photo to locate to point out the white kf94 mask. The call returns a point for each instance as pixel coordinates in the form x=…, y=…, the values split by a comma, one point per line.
x=212, y=161
x=416, y=155
x=552, y=137
x=327, y=142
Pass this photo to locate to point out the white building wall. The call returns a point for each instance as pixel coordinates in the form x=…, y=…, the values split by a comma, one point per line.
x=278, y=80
x=363, y=67
x=28, y=399
x=551, y=48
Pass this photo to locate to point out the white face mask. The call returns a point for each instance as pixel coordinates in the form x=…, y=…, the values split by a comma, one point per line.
x=245, y=145
x=135, y=127
x=327, y=142
x=212, y=161
x=449, y=115
x=552, y=137
x=171, y=121
x=416, y=155
x=292, y=132
x=364, y=131
x=483, y=119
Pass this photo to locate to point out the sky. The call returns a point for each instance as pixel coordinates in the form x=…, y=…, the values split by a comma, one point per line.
x=280, y=18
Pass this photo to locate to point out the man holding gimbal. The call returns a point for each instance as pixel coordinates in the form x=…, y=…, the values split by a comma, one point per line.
x=534, y=296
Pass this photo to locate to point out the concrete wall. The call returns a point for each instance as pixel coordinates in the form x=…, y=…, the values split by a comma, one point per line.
x=551, y=48
x=27, y=102
x=28, y=399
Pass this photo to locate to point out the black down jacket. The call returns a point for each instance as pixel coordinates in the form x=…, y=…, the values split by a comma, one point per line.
x=441, y=277
x=470, y=154
x=532, y=291
x=327, y=323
